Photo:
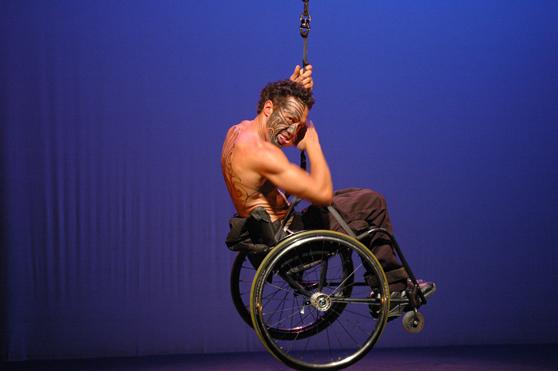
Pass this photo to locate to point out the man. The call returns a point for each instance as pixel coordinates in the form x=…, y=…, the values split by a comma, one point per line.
x=257, y=172
x=255, y=168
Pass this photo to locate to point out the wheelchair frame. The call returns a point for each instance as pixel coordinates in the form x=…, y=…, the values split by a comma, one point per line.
x=285, y=268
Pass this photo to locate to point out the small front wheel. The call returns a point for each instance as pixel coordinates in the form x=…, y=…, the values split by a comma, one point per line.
x=413, y=322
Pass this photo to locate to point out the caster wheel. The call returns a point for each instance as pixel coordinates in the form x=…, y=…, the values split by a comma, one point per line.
x=413, y=322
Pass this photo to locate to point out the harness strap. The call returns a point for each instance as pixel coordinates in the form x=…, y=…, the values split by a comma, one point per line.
x=341, y=221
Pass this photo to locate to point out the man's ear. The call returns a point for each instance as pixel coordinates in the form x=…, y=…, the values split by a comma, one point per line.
x=268, y=108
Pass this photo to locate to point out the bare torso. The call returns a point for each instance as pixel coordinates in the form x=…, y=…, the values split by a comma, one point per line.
x=248, y=188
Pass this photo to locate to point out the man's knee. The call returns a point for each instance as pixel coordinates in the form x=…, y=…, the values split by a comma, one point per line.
x=360, y=203
x=377, y=198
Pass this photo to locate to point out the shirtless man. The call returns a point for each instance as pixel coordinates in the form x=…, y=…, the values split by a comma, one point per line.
x=254, y=167
x=257, y=172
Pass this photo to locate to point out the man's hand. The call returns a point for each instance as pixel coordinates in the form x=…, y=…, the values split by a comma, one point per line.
x=303, y=76
x=307, y=136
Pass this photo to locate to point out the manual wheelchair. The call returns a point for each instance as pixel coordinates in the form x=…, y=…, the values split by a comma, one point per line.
x=319, y=299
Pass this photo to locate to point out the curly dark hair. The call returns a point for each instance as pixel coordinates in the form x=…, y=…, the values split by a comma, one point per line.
x=279, y=91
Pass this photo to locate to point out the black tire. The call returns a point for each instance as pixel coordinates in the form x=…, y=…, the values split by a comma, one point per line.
x=242, y=276
x=328, y=322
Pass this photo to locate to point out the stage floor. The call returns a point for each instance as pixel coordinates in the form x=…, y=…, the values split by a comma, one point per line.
x=505, y=357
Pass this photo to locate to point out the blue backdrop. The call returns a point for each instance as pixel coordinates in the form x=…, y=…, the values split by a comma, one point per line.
x=114, y=212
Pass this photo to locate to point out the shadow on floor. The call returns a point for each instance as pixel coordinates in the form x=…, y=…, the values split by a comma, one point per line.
x=505, y=357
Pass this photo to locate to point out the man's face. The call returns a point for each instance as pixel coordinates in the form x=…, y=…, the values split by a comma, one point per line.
x=286, y=121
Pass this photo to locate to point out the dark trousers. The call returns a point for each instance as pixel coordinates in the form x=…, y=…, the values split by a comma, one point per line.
x=361, y=209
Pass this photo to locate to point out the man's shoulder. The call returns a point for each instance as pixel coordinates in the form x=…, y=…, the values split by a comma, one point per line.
x=238, y=132
x=234, y=131
x=246, y=139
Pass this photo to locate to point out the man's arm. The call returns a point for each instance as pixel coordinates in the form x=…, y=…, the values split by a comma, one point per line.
x=315, y=186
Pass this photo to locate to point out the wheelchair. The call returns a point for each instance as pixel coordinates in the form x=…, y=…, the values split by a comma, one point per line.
x=319, y=299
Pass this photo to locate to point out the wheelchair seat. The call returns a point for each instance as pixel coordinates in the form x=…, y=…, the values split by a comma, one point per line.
x=255, y=233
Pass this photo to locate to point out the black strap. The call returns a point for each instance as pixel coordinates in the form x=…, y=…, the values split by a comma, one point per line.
x=305, y=20
x=341, y=221
x=304, y=29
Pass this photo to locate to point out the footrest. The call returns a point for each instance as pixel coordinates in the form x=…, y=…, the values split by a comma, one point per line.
x=400, y=302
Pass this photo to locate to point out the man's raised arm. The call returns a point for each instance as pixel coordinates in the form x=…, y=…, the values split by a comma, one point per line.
x=315, y=186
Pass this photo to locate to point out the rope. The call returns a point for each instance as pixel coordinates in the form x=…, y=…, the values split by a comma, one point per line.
x=304, y=29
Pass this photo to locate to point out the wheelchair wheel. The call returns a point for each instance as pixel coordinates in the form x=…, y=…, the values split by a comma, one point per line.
x=311, y=286
x=242, y=276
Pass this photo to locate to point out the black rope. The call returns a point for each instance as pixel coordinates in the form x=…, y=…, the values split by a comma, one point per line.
x=304, y=29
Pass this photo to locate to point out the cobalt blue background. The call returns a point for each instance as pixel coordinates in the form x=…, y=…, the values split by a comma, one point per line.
x=113, y=207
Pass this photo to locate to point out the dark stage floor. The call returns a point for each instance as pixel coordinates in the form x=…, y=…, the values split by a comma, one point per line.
x=516, y=357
